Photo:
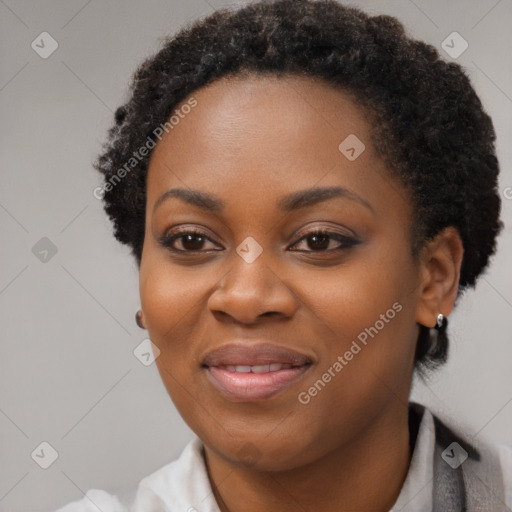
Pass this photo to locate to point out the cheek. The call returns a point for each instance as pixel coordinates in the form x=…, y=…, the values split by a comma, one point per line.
x=169, y=295
x=365, y=332
x=365, y=327
x=348, y=300
x=172, y=301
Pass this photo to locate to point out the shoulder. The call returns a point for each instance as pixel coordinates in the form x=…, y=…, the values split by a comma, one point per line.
x=485, y=468
x=93, y=500
x=505, y=455
x=178, y=483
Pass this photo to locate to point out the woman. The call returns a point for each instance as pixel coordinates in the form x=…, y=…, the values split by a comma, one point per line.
x=306, y=191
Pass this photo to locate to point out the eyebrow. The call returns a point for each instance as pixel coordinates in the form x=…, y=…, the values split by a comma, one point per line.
x=291, y=202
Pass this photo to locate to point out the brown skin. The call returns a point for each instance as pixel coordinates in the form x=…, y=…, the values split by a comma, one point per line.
x=249, y=142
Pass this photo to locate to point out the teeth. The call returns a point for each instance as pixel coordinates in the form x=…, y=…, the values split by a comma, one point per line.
x=262, y=368
x=259, y=368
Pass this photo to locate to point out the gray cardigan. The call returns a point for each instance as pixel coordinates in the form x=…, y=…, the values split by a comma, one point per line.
x=466, y=478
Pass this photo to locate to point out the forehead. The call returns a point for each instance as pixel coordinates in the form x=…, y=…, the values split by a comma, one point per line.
x=260, y=134
x=288, y=105
x=269, y=97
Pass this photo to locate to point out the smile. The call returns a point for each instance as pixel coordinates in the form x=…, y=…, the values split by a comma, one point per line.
x=244, y=373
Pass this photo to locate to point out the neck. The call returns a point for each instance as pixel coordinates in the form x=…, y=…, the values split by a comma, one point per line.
x=366, y=473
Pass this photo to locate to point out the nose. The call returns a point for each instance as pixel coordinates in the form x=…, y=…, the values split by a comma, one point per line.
x=251, y=291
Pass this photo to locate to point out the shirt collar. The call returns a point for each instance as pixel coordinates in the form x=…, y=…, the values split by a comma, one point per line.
x=416, y=493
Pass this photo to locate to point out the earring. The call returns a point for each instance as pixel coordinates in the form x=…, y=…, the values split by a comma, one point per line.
x=138, y=319
x=441, y=323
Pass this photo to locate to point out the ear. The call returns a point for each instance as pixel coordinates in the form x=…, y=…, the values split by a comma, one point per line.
x=440, y=262
x=139, y=319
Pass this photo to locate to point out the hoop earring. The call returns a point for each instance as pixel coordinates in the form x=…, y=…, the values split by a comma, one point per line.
x=138, y=319
x=441, y=323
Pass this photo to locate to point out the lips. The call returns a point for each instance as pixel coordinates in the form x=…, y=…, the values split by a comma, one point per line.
x=242, y=354
x=245, y=373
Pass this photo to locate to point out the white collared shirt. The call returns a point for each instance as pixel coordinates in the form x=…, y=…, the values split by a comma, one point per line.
x=183, y=485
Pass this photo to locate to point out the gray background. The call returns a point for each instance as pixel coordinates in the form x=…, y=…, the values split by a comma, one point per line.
x=68, y=375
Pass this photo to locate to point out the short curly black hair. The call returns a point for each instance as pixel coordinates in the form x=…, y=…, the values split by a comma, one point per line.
x=429, y=125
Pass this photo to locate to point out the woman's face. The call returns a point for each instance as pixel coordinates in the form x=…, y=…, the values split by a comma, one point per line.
x=278, y=344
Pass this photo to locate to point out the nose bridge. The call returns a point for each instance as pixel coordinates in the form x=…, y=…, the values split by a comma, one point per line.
x=251, y=287
x=250, y=275
x=250, y=266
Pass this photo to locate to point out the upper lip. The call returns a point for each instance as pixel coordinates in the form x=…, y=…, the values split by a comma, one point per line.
x=256, y=354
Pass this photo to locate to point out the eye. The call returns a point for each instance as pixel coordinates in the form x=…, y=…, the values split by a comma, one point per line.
x=191, y=240
x=320, y=241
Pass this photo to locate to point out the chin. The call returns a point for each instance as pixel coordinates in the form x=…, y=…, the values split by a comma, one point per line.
x=261, y=455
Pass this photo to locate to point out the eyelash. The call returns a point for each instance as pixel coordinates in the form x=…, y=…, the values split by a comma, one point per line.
x=167, y=240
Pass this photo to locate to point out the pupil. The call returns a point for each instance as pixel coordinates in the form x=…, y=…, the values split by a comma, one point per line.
x=188, y=242
x=324, y=241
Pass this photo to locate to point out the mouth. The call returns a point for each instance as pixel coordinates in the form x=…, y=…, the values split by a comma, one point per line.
x=246, y=373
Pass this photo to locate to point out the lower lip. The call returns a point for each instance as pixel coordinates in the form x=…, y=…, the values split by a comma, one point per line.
x=249, y=387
